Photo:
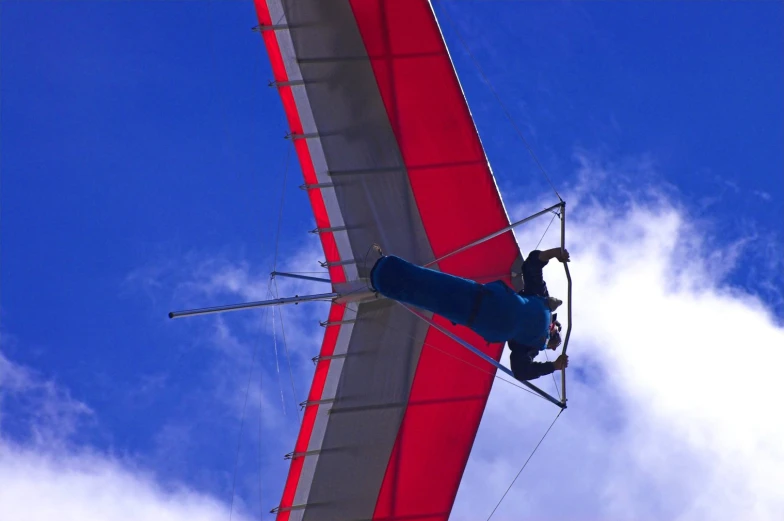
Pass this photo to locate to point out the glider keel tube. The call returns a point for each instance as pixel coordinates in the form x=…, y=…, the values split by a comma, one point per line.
x=248, y=305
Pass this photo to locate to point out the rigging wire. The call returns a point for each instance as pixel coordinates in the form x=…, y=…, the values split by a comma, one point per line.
x=555, y=383
x=545, y=231
x=498, y=98
x=286, y=349
x=242, y=426
x=274, y=268
x=227, y=133
x=280, y=19
x=525, y=464
x=286, y=164
x=277, y=363
x=261, y=445
x=257, y=100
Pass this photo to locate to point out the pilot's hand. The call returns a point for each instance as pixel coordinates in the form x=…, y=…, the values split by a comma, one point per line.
x=561, y=362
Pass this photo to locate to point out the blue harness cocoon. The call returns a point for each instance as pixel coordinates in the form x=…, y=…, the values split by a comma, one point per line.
x=492, y=310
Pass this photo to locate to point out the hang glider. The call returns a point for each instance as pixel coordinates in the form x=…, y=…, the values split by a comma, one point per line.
x=390, y=156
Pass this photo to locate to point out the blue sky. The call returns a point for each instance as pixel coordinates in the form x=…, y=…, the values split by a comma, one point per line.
x=143, y=163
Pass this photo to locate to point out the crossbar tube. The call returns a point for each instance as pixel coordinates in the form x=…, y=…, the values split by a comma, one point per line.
x=496, y=234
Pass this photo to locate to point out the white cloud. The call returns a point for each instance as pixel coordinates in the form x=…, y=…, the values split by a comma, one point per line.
x=44, y=411
x=673, y=382
x=41, y=486
x=765, y=196
x=45, y=476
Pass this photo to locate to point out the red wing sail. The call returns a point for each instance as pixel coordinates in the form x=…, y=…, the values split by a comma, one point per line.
x=389, y=150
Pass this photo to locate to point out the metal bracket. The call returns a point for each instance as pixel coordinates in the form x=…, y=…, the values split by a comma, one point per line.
x=293, y=83
x=277, y=510
x=325, y=264
x=316, y=186
x=265, y=28
x=297, y=455
x=337, y=323
x=295, y=137
x=329, y=230
x=319, y=358
x=306, y=403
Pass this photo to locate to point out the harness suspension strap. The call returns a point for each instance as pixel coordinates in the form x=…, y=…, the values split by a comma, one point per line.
x=476, y=305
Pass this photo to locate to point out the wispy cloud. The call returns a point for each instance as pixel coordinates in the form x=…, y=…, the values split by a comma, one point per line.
x=253, y=367
x=35, y=408
x=765, y=196
x=46, y=474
